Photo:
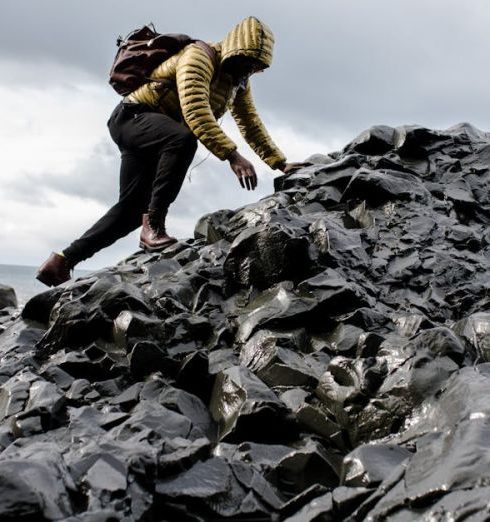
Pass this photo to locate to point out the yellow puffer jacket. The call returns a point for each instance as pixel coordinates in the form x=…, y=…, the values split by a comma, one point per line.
x=192, y=88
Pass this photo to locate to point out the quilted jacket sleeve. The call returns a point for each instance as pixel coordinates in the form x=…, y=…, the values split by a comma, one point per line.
x=253, y=130
x=194, y=74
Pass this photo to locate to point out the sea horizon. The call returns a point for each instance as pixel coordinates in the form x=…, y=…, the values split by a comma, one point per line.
x=22, y=278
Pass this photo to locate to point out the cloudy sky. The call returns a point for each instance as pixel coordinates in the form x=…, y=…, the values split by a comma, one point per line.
x=339, y=67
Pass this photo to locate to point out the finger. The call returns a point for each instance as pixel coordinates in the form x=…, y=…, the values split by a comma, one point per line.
x=247, y=181
x=253, y=178
x=254, y=181
x=299, y=165
x=245, y=178
x=251, y=182
x=239, y=174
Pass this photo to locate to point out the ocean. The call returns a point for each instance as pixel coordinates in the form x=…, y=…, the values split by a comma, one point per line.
x=23, y=280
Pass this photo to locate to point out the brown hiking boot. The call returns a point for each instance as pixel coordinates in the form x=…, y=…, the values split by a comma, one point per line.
x=55, y=270
x=153, y=235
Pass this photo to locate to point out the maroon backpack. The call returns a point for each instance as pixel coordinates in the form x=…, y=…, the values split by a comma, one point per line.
x=143, y=50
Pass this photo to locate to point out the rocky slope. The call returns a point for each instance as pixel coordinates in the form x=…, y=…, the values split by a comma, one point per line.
x=318, y=355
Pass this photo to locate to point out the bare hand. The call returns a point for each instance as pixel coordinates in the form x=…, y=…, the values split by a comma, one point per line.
x=287, y=168
x=244, y=170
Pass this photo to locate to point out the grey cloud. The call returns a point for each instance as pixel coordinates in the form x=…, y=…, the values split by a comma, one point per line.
x=345, y=65
x=95, y=177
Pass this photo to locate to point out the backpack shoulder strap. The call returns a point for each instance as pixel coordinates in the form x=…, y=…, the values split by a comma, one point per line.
x=209, y=51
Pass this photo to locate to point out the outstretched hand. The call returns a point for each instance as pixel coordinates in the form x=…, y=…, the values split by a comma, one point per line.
x=287, y=168
x=244, y=170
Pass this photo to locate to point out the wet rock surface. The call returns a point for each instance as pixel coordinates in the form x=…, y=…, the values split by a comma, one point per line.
x=322, y=354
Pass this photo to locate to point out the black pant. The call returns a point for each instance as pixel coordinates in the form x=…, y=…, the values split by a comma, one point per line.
x=156, y=152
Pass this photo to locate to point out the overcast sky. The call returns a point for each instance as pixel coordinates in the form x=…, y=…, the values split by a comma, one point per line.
x=339, y=67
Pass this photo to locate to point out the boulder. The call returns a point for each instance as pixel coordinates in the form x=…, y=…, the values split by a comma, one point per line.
x=8, y=298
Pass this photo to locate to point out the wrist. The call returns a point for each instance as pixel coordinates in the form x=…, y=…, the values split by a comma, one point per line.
x=233, y=155
x=281, y=166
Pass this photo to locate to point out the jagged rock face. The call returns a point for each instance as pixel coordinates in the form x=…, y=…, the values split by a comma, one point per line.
x=322, y=354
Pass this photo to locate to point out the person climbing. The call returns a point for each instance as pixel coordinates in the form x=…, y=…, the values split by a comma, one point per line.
x=156, y=128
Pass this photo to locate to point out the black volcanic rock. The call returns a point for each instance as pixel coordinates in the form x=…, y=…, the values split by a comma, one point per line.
x=39, y=307
x=261, y=256
x=321, y=354
x=8, y=298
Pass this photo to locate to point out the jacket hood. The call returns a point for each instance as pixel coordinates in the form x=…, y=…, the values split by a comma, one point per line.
x=250, y=38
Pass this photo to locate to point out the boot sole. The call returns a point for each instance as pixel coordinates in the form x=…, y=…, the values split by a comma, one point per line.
x=147, y=248
x=48, y=281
